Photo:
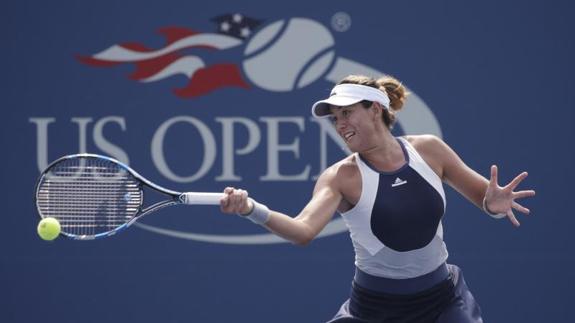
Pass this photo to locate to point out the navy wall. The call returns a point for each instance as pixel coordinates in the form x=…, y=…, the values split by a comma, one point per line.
x=493, y=78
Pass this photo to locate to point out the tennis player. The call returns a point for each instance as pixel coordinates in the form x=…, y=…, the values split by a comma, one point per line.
x=390, y=194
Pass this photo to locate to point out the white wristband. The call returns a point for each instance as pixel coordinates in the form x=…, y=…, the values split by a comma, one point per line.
x=493, y=215
x=260, y=214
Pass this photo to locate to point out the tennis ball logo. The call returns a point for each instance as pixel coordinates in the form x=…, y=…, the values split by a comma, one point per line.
x=288, y=55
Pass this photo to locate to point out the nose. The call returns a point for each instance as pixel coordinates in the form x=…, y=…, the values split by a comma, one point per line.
x=340, y=125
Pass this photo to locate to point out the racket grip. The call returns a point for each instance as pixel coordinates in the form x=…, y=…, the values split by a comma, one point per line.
x=198, y=198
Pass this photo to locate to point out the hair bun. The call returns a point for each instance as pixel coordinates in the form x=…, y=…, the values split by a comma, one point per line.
x=395, y=91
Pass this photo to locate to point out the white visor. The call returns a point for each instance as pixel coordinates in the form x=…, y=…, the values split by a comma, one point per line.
x=347, y=94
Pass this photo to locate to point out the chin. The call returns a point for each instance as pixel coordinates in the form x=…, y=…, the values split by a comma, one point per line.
x=352, y=148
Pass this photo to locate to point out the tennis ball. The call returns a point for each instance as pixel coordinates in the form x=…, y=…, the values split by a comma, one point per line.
x=49, y=229
x=288, y=54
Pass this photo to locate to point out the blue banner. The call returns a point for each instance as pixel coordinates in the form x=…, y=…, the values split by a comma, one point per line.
x=197, y=96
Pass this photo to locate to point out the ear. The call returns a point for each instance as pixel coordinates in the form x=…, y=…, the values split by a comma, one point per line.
x=377, y=109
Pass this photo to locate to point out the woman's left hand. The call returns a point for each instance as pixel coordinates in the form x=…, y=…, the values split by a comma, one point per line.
x=501, y=200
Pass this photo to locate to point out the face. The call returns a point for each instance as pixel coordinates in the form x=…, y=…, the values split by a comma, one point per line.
x=356, y=125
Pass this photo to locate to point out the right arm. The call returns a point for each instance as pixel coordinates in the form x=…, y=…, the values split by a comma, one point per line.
x=308, y=223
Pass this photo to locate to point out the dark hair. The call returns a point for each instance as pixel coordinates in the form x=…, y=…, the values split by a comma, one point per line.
x=391, y=86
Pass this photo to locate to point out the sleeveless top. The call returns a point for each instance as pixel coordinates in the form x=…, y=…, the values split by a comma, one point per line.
x=396, y=225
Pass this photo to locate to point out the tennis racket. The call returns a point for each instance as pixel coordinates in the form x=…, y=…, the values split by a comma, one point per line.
x=95, y=196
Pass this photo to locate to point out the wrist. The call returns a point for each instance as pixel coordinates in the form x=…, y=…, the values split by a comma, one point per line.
x=492, y=214
x=250, y=208
x=258, y=213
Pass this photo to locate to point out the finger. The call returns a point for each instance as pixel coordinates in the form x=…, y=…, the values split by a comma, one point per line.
x=233, y=201
x=520, y=208
x=516, y=181
x=225, y=200
x=244, y=202
x=244, y=195
x=239, y=200
x=522, y=194
x=512, y=218
x=224, y=203
x=229, y=190
x=493, y=179
x=225, y=196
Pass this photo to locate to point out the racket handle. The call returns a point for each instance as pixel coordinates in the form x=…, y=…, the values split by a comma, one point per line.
x=198, y=198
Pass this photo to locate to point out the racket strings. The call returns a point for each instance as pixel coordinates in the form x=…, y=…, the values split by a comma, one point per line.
x=89, y=196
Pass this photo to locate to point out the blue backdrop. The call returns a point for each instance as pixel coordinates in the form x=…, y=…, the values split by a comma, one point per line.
x=201, y=95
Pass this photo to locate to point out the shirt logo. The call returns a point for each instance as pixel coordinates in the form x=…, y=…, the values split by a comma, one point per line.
x=398, y=182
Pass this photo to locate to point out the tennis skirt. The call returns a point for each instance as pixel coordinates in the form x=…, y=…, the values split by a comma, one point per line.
x=441, y=296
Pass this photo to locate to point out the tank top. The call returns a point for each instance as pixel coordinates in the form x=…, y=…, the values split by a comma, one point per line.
x=396, y=226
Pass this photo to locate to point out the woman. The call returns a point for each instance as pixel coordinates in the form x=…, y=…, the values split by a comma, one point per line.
x=390, y=194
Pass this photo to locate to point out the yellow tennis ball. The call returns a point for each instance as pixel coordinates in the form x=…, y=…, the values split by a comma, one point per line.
x=49, y=229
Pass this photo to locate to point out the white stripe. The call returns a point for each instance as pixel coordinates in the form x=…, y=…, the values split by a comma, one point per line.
x=186, y=65
x=118, y=53
x=358, y=218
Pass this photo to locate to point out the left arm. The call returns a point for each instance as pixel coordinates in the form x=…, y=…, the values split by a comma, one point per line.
x=485, y=194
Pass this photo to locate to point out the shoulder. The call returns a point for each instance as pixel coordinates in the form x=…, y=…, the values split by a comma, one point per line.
x=343, y=168
x=342, y=179
x=433, y=150
x=341, y=172
x=425, y=142
x=429, y=145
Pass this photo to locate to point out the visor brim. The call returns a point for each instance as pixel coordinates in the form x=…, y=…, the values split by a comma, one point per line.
x=321, y=109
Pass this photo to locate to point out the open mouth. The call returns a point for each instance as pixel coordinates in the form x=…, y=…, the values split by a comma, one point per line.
x=348, y=135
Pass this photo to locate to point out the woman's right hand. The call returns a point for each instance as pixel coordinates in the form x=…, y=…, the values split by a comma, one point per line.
x=235, y=201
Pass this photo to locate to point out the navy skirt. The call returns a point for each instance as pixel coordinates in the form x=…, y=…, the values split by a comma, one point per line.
x=441, y=296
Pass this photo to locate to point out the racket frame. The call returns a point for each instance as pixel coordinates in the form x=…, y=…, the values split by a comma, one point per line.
x=176, y=197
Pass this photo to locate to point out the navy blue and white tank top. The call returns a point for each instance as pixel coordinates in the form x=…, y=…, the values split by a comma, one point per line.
x=396, y=225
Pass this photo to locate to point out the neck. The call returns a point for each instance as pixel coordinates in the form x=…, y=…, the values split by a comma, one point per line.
x=386, y=154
